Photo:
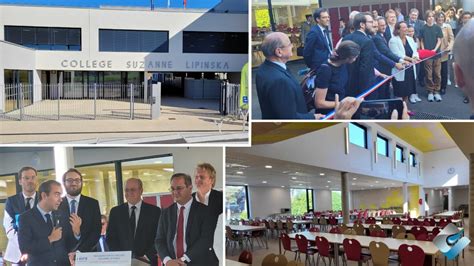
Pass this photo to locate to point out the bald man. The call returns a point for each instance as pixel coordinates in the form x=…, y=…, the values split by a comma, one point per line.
x=464, y=61
x=279, y=93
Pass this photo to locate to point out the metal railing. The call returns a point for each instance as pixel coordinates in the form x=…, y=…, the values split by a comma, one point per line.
x=76, y=101
x=230, y=99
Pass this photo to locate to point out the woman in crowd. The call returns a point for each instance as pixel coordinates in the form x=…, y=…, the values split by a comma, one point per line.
x=331, y=77
x=414, y=98
x=403, y=45
x=446, y=46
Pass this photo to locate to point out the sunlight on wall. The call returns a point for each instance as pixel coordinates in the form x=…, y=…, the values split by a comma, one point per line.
x=453, y=181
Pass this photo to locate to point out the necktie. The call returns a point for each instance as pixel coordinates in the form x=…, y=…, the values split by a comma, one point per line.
x=49, y=222
x=73, y=206
x=28, y=205
x=326, y=32
x=180, y=234
x=133, y=224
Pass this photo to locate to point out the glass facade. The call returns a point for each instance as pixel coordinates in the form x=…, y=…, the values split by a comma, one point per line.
x=382, y=146
x=45, y=38
x=215, y=42
x=358, y=135
x=289, y=16
x=399, y=154
x=133, y=41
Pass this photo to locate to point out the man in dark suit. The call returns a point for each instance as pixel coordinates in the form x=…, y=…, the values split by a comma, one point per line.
x=16, y=205
x=42, y=229
x=279, y=93
x=76, y=205
x=391, y=18
x=318, y=44
x=132, y=225
x=394, y=61
x=186, y=231
x=361, y=72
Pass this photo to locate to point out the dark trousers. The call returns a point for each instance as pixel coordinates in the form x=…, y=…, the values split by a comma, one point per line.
x=384, y=90
x=444, y=75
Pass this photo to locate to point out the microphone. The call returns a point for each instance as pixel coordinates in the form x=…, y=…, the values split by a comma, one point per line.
x=56, y=220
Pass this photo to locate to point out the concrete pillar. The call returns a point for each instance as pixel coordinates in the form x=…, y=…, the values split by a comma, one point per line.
x=345, y=191
x=450, y=199
x=2, y=83
x=156, y=101
x=37, y=95
x=421, y=195
x=405, y=197
x=471, y=201
x=468, y=5
x=290, y=16
x=63, y=160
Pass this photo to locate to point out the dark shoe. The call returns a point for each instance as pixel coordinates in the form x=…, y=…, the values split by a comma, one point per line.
x=466, y=100
x=443, y=91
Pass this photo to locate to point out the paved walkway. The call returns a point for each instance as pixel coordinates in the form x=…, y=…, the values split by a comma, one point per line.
x=452, y=106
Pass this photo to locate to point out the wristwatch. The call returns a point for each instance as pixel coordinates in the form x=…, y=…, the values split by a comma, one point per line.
x=183, y=259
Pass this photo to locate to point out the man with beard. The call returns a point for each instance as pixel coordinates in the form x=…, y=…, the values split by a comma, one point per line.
x=75, y=206
x=16, y=205
x=362, y=71
x=42, y=230
x=133, y=224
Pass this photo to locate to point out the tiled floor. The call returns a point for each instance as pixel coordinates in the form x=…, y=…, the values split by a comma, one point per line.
x=260, y=252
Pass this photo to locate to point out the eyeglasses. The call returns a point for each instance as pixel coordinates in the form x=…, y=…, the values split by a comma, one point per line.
x=70, y=181
x=173, y=189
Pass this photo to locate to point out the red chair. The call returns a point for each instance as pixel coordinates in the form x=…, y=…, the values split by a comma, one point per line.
x=314, y=229
x=422, y=237
x=436, y=231
x=303, y=248
x=246, y=257
x=417, y=230
x=335, y=230
x=411, y=255
x=370, y=220
x=286, y=242
x=416, y=222
x=324, y=250
x=353, y=251
x=443, y=222
x=429, y=222
x=378, y=234
x=332, y=220
x=396, y=220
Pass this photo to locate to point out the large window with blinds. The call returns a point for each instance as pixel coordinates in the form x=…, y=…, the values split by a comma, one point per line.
x=133, y=41
x=215, y=42
x=45, y=38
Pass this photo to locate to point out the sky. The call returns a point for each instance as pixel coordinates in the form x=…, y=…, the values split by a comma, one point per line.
x=96, y=3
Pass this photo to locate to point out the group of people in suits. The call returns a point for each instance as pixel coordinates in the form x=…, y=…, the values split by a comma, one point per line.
x=386, y=48
x=45, y=229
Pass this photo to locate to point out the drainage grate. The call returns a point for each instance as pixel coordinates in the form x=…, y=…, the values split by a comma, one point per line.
x=430, y=116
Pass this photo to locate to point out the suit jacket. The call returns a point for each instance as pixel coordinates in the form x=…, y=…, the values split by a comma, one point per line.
x=14, y=206
x=89, y=212
x=279, y=94
x=33, y=239
x=215, y=203
x=397, y=47
x=388, y=33
x=382, y=46
x=316, y=49
x=199, y=235
x=119, y=235
x=361, y=72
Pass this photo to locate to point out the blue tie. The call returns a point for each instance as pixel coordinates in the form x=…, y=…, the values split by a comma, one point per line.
x=73, y=206
x=48, y=221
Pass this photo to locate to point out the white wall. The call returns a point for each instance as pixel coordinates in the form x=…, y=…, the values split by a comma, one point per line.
x=326, y=148
x=90, y=20
x=265, y=201
x=437, y=164
x=435, y=200
x=377, y=197
x=184, y=159
x=322, y=200
x=460, y=196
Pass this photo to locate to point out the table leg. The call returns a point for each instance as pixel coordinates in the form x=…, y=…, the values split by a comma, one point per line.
x=279, y=245
x=336, y=254
x=266, y=240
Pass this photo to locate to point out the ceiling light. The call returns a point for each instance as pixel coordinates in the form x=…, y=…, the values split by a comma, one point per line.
x=268, y=166
x=239, y=172
x=371, y=185
x=327, y=186
x=283, y=186
x=300, y=184
x=376, y=181
x=329, y=181
x=293, y=177
x=321, y=174
x=353, y=184
x=168, y=169
x=246, y=184
x=354, y=178
x=158, y=162
x=264, y=182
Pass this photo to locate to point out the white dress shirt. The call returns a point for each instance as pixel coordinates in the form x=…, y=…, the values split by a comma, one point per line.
x=206, y=198
x=187, y=208
x=32, y=201
x=137, y=212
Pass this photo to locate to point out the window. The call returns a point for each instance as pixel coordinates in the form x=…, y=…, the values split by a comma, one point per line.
x=301, y=200
x=45, y=38
x=412, y=159
x=215, y=42
x=399, y=154
x=133, y=41
x=358, y=135
x=382, y=146
x=336, y=200
x=236, y=198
